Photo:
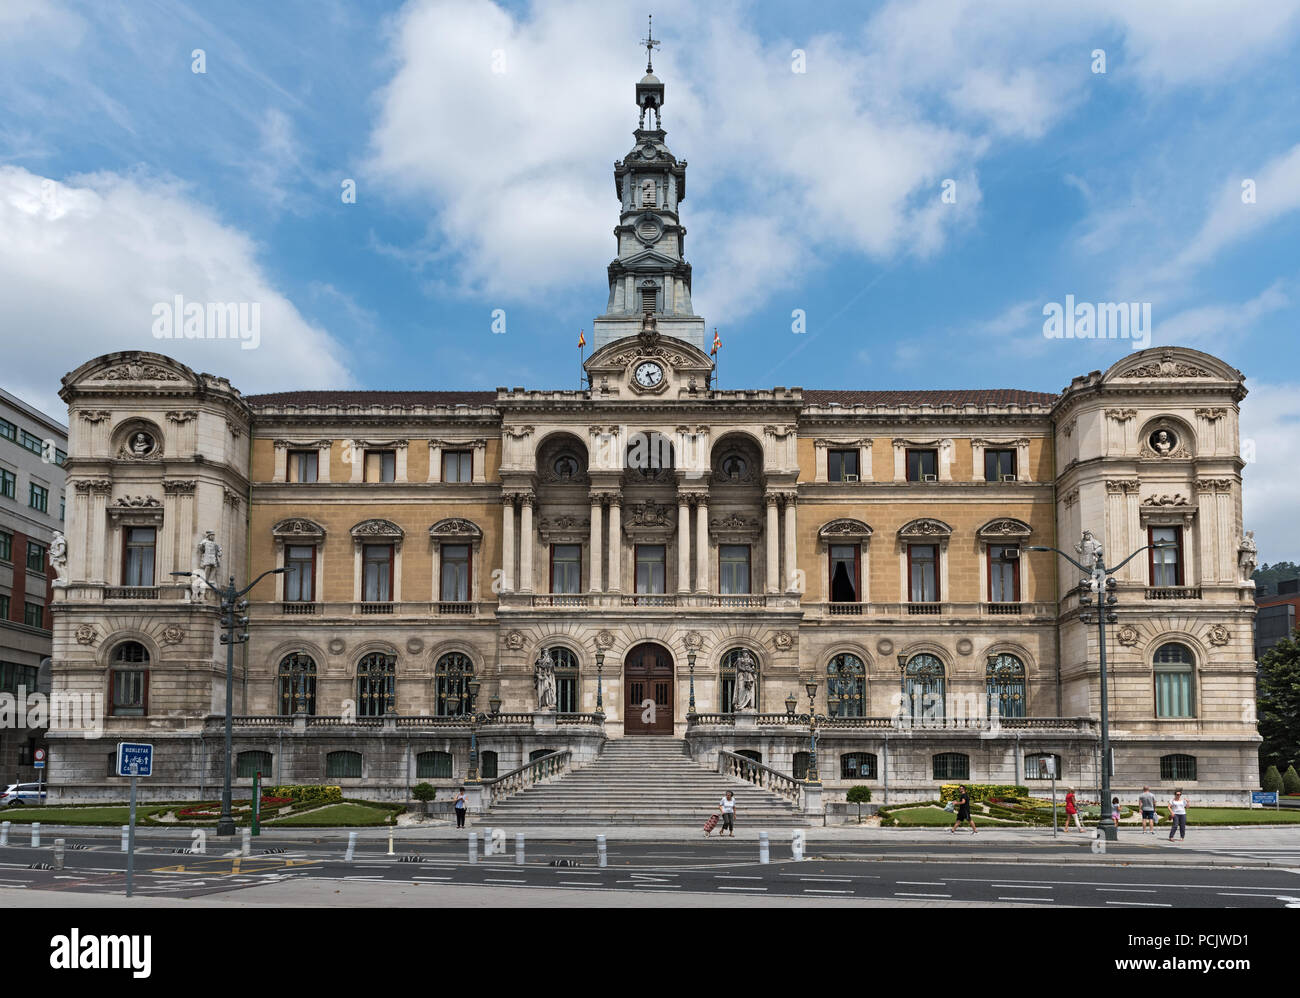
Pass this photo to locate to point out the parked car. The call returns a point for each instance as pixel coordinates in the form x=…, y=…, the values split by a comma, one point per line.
x=18, y=794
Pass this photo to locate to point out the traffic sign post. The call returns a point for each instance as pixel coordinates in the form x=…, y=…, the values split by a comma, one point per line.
x=38, y=761
x=134, y=759
x=1266, y=797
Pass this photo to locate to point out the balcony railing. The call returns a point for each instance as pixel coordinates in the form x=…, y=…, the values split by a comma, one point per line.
x=798, y=724
x=367, y=609
x=455, y=608
x=845, y=609
x=405, y=721
x=299, y=609
x=1002, y=609
x=924, y=609
x=1174, y=592
x=561, y=599
x=131, y=592
x=649, y=599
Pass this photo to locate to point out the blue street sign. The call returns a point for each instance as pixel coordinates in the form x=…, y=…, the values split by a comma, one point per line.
x=39, y=764
x=1263, y=796
x=134, y=759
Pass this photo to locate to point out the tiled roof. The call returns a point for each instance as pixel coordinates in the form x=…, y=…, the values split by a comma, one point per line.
x=368, y=398
x=939, y=397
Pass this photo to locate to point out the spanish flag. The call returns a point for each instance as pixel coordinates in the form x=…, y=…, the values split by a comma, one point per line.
x=717, y=342
x=582, y=340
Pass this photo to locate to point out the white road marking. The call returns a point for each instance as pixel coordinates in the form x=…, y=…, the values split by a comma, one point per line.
x=1124, y=890
x=904, y=894
x=742, y=888
x=735, y=876
x=502, y=880
x=922, y=883
x=1040, y=900
x=1022, y=887
x=1141, y=904
x=820, y=890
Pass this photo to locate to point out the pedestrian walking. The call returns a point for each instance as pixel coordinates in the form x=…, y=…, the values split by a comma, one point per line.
x=460, y=807
x=963, y=810
x=1147, y=804
x=1178, y=816
x=728, y=808
x=1072, y=810
x=1114, y=810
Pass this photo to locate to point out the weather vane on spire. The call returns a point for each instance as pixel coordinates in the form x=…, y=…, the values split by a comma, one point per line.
x=651, y=43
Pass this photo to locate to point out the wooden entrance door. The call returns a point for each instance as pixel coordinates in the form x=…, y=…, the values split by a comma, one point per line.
x=648, y=676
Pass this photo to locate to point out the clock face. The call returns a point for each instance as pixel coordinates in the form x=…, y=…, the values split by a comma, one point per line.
x=649, y=374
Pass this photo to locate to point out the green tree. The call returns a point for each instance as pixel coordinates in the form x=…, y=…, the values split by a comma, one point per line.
x=1279, y=702
x=1271, y=575
x=1291, y=780
x=1272, y=781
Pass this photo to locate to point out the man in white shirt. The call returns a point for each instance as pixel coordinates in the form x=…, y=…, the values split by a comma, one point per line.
x=728, y=808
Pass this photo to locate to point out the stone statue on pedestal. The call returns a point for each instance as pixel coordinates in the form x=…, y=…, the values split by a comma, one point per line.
x=58, y=555
x=746, y=682
x=545, y=679
x=209, y=556
x=1246, y=557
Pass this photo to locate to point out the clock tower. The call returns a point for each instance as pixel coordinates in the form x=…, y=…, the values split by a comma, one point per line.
x=650, y=276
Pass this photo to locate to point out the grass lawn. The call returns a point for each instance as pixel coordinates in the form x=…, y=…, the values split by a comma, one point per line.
x=1235, y=816
x=336, y=815
x=80, y=815
x=937, y=817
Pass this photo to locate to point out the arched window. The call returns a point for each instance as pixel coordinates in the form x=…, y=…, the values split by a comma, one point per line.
x=377, y=685
x=1175, y=681
x=297, y=684
x=858, y=766
x=450, y=675
x=727, y=677
x=752, y=755
x=1039, y=767
x=343, y=766
x=925, y=686
x=536, y=754
x=249, y=764
x=433, y=766
x=566, y=680
x=1178, y=767
x=487, y=765
x=952, y=766
x=846, y=686
x=130, y=679
x=1005, y=685
x=799, y=769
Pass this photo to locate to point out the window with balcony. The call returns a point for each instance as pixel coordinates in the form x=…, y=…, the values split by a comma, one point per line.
x=457, y=466
x=303, y=466
x=650, y=568
x=922, y=465
x=450, y=676
x=377, y=685
x=1004, y=680
x=566, y=680
x=733, y=569
x=923, y=572
x=377, y=573
x=138, y=556
x=999, y=465
x=566, y=568
x=842, y=465
x=296, y=684
x=300, y=573
x=1004, y=573
x=1175, y=680
x=845, y=573
x=455, y=573
x=925, y=688
x=381, y=466
x=1166, y=563
x=846, y=686
x=129, y=680
x=36, y=557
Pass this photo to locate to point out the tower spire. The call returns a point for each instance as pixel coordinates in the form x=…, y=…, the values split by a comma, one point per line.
x=651, y=43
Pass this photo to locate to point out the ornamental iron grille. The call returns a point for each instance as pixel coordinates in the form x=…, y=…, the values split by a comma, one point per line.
x=566, y=679
x=450, y=676
x=727, y=675
x=130, y=679
x=433, y=766
x=377, y=685
x=1005, y=682
x=343, y=766
x=1178, y=767
x=296, y=681
x=846, y=686
x=925, y=688
x=487, y=765
x=952, y=766
x=1041, y=766
x=249, y=764
x=800, y=768
x=858, y=766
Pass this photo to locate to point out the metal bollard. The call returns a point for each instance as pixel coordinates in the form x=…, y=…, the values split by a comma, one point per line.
x=4, y=833
x=36, y=834
x=602, y=857
x=352, y=847
x=126, y=835
x=246, y=842
x=763, y=853
x=519, y=848
x=58, y=854
x=473, y=847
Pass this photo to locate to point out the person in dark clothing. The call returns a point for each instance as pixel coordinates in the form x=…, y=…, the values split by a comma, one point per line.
x=460, y=808
x=963, y=810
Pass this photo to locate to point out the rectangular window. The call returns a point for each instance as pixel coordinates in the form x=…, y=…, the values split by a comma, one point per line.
x=4, y=606
x=733, y=568
x=1004, y=574
x=8, y=483
x=1175, y=692
x=842, y=465
x=300, y=573
x=457, y=466
x=381, y=466
x=60, y=457
x=377, y=572
x=566, y=568
x=1166, y=562
x=129, y=691
x=36, y=557
x=8, y=431
x=137, y=563
x=33, y=614
x=6, y=546
x=303, y=466
x=922, y=465
x=923, y=570
x=13, y=675
x=38, y=497
x=999, y=464
x=455, y=573
x=844, y=573
x=33, y=444
x=650, y=568
x=63, y=507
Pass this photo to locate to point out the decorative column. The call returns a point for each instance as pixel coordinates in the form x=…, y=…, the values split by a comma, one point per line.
x=508, y=542
x=615, y=543
x=596, y=557
x=702, y=544
x=683, y=543
x=773, y=546
x=526, y=542
x=791, y=566
x=98, y=564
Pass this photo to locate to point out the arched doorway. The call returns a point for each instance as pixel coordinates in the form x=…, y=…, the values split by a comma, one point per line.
x=648, y=691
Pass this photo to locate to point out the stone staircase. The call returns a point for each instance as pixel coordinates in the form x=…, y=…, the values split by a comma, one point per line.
x=643, y=780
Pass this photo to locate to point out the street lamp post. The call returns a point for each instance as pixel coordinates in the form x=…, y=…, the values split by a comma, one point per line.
x=600, y=695
x=1100, y=581
x=231, y=603
x=690, y=660
x=812, y=777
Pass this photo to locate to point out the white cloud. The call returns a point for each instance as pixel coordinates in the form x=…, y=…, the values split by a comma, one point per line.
x=1270, y=425
x=1213, y=327
x=82, y=264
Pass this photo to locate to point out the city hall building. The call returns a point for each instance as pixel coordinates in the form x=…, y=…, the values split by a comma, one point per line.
x=639, y=558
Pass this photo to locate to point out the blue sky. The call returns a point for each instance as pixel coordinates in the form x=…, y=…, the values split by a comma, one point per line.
x=126, y=178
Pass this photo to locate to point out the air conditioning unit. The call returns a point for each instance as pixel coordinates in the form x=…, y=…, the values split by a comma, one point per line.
x=929, y=478
x=1011, y=554
x=850, y=478
x=1011, y=478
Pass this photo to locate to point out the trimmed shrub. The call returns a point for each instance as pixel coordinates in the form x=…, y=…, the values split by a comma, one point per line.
x=1291, y=780
x=859, y=795
x=424, y=791
x=981, y=791
x=309, y=793
x=1272, y=780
